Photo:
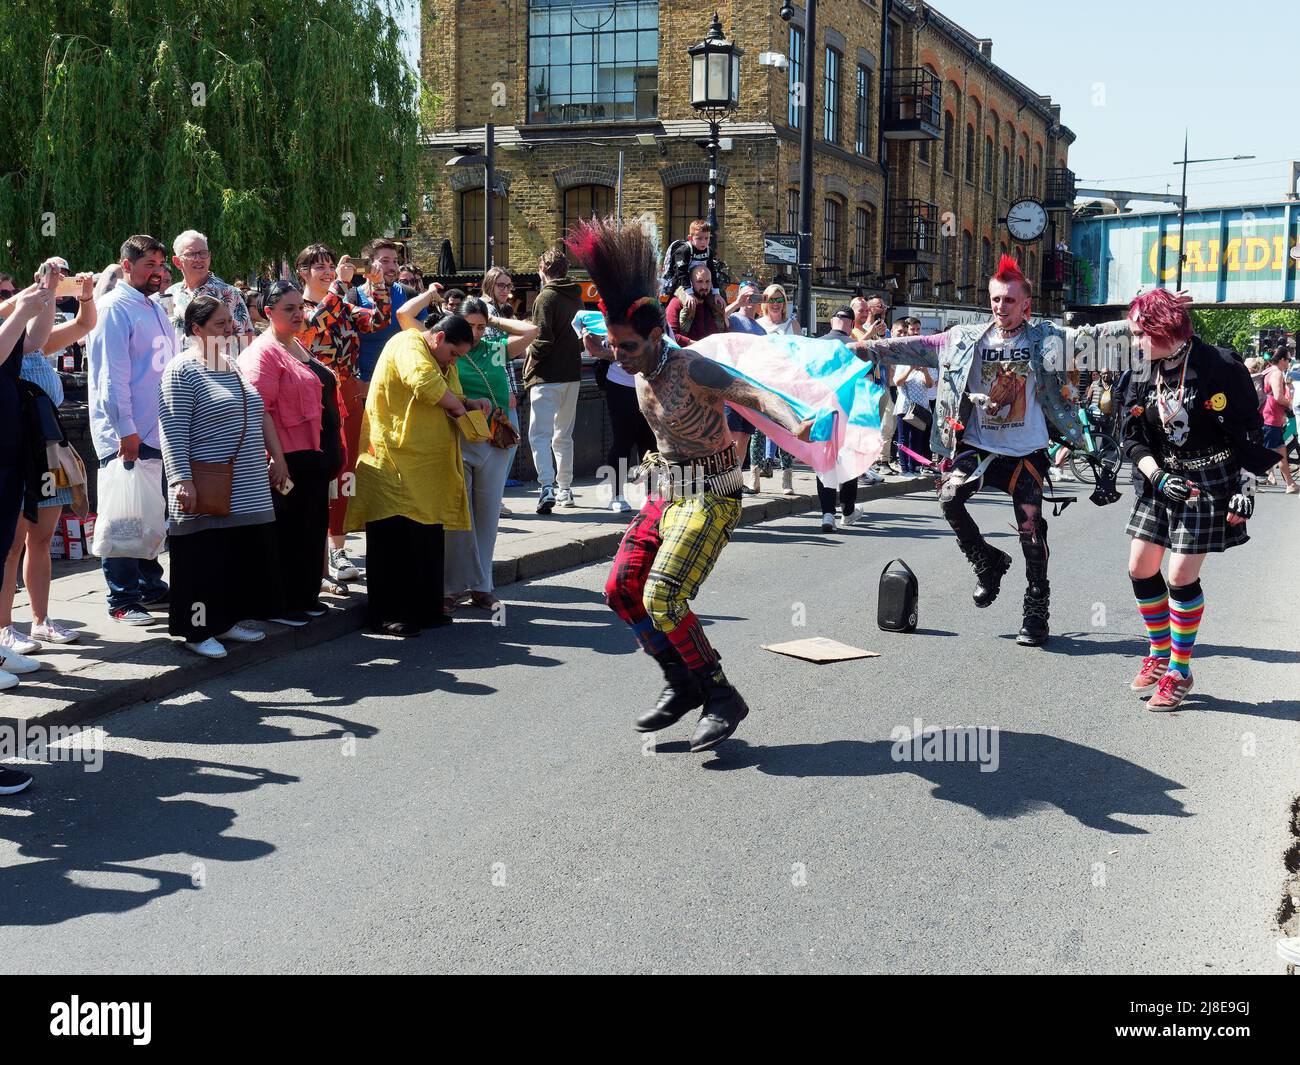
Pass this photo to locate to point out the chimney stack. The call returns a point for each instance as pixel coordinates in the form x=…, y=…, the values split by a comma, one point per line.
x=1291, y=193
x=986, y=48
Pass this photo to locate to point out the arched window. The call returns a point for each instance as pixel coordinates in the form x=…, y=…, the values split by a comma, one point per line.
x=864, y=242
x=1020, y=175
x=988, y=164
x=967, y=264
x=587, y=201
x=1006, y=172
x=970, y=155
x=686, y=203
x=986, y=260
x=831, y=97
x=792, y=210
x=832, y=240
x=472, y=233
x=947, y=141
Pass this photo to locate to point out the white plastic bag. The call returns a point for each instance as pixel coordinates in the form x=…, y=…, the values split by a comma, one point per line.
x=132, y=516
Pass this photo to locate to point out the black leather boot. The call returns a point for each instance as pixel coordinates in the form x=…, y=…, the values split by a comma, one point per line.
x=724, y=710
x=680, y=696
x=990, y=566
x=1034, y=631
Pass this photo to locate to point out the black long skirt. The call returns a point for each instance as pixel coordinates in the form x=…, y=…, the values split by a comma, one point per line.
x=302, y=521
x=220, y=577
x=404, y=571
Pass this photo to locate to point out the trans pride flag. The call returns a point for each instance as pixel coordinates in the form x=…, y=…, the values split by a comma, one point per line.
x=820, y=379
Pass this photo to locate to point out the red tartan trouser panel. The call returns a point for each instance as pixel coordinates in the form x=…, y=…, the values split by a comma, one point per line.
x=701, y=527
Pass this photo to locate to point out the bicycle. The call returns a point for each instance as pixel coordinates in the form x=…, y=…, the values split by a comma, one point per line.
x=1102, y=450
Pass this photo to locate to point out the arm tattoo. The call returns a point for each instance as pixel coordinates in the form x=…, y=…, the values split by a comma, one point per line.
x=709, y=374
x=744, y=394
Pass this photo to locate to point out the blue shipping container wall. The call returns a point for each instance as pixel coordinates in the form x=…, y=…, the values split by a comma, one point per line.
x=1238, y=255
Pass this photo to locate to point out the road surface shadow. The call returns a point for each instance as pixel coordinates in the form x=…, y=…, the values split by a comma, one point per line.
x=1085, y=644
x=1034, y=772
x=116, y=840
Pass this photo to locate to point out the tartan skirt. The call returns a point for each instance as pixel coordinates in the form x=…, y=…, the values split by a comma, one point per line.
x=1185, y=528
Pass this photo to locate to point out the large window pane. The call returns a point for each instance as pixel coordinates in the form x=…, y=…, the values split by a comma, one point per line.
x=593, y=59
x=587, y=201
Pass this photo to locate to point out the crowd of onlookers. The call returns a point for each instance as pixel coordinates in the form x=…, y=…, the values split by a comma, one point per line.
x=357, y=396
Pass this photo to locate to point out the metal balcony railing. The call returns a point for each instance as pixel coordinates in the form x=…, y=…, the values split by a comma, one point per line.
x=913, y=232
x=1059, y=192
x=912, y=98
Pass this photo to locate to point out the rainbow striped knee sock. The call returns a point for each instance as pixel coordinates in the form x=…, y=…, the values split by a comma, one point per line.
x=1186, y=605
x=1152, y=596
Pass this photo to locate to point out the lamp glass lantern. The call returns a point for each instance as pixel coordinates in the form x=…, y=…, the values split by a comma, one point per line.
x=715, y=72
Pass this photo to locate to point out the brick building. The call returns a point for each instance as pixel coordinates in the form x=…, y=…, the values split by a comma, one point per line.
x=900, y=98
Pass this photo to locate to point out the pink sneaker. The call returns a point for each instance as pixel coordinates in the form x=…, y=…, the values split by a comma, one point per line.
x=1173, y=688
x=1149, y=675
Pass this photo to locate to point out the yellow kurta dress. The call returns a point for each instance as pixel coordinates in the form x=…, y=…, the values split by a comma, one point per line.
x=410, y=464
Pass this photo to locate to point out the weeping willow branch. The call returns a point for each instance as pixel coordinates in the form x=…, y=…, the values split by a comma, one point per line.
x=266, y=126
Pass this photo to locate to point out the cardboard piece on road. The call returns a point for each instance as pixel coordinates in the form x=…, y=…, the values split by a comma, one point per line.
x=820, y=649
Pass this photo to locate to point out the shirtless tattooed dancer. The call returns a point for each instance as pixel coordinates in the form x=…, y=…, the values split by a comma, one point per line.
x=693, y=506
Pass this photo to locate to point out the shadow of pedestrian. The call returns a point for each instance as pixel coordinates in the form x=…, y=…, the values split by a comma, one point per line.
x=87, y=831
x=1033, y=772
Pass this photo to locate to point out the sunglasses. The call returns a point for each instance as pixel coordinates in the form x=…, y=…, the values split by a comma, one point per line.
x=776, y=299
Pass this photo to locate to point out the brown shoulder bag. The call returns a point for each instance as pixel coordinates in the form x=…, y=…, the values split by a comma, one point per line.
x=214, y=481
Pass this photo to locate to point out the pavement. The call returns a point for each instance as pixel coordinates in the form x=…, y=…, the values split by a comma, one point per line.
x=477, y=800
x=112, y=665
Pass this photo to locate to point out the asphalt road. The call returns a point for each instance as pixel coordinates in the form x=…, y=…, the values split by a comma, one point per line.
x=476, y=799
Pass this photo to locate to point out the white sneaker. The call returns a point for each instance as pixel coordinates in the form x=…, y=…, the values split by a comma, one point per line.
x=342, y=567
x=619, y=505
x=16, y=663
x=828, y=522
x=506, y=512
x=14, y=641
x=7, y=680
x=871, y=477
x=853, y=517
x=564, y=498
x=209, y=648
x=242, y=634
x=48, y=631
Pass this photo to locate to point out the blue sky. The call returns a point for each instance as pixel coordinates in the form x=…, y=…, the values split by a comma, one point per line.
x=1130, y=75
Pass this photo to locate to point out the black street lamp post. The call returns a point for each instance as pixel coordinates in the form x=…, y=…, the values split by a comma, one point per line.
x=715, y=92
x=805, y=156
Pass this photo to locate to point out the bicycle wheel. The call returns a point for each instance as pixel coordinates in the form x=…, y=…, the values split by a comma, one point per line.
x=1107, y=454
x=1082, y=468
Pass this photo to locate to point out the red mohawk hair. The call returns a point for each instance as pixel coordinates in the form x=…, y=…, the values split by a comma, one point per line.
x=1009, y=271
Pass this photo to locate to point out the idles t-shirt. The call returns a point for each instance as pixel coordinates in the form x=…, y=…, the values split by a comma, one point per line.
x=1016, y=425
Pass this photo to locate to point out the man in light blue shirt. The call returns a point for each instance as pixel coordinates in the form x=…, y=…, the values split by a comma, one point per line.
x=383, y=253
x=126, y=354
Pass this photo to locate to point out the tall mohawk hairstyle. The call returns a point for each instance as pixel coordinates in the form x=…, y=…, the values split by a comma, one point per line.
x=1008, y=271
x=621, y=261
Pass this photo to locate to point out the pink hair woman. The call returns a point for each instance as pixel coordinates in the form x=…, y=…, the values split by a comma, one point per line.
x=1193, y=432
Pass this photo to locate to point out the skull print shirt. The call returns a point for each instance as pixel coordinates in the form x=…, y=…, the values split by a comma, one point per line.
x=1179, y=419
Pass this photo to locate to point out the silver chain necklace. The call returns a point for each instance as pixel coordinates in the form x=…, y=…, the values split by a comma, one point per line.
x=663, y=361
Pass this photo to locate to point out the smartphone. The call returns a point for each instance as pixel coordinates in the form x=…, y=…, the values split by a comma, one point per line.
x=285, y=488
x=69, y=286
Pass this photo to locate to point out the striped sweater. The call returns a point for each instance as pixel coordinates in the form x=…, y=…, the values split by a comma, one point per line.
x=201, y=414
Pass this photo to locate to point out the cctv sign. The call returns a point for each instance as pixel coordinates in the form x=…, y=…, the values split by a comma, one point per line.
x=781, y=248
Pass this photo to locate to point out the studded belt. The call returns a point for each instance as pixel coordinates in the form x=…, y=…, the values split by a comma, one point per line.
x=1197, y=462
x=719, y=473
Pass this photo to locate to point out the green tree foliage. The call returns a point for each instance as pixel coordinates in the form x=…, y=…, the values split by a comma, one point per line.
x=265, y=125
x=1237, y=328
